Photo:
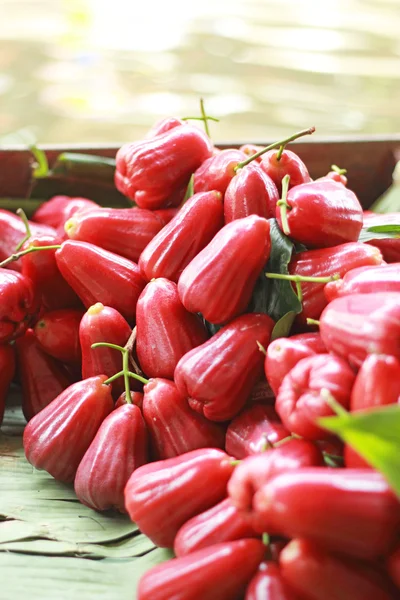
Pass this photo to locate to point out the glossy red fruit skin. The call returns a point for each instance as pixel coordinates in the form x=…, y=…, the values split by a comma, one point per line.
x=360, y=324
x=136, y=399
x=393, y=566
x=218, y=376
x=256, y=471
x=97, y=275
x=41, y=267
x=284, y=353
x=219, y=281
x=103, y=324
x=221, y=523
x=351, y=511
x=316, y=574
x=390, y=247
x=58, y=209
x=125, y=231
x=7, y=372
x=19, y=304
x=250, y=192
x=57, y=332
x=12, y=231
x=289, y=164
x=42, y=377
x=57, y=438
x=49, y=213
x=250, y=150
x=322, y=214
x=336, y=177
x=216, y=172
x=163, y=126
x=326, y=262
x=253, y=430
x=175, y=428
x=165, y=330
x=219, y=572
x=365, y=280
x=165, y=215
x=149, y=172
x=192, y=228
x=161, y=496
x=268, y=584
x=353, y=460
x=377, y=383
x=299, y=402
x=119, y=447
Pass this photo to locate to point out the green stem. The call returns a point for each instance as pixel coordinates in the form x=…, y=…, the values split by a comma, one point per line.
x=266, y=445
x=29, y=250
x=283, y=441
x=261, y=348
x=333, y=403
x=284, y=206
x=313, y=322
x=21, y=213
x=338, y=170
x=125, y=367
x=42, y=167
x=281, y=143
x=279, y=154
x=204, y=117
x=265, y=539
x=113, y=377
x=303, y=278
x=299, y=291
x=235, y=462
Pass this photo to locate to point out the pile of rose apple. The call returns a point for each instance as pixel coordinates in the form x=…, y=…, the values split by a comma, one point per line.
x=144, y=340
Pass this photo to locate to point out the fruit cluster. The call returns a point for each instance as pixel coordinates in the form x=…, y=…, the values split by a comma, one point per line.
x=180, y=359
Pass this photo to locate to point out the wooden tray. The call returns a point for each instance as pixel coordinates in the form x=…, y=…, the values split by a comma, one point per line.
x=369, y=160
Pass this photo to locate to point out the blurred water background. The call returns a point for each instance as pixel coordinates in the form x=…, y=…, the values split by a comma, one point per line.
x=104, y=71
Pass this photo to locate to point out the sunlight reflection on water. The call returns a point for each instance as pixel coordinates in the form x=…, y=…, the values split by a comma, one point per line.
x=91, y=70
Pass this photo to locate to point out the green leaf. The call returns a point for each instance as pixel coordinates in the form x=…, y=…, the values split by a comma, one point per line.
x=375, y=435
x=380, y=231
x=85, y=166
x=389, y=202
x=272, y=296
x=283, y=326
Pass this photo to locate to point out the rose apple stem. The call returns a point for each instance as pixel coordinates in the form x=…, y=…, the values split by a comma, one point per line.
x=29, y=250
x=41, y=168
x=125, y=368
x=284, y=206
x=338, y=170
x=279, y=153
x=299, y=279
x=129, y=346
x=280, y=144
x=261, y=348
x=204, y=117
x=266, y=445
x=313, y=322
x=265, y=539
x=21, y=213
